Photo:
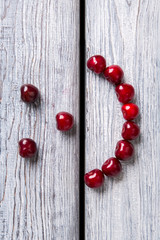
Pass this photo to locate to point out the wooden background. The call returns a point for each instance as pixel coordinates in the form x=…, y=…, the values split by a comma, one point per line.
x=39, y=44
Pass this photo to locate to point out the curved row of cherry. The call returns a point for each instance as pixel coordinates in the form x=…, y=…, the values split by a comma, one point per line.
x=130, y=130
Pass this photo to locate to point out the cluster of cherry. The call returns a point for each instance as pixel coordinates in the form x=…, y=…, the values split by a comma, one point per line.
x=130, y=130
x=65, y=121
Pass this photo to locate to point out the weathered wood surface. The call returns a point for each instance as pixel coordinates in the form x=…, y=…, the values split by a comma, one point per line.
x=39, y=44
x=126, y=33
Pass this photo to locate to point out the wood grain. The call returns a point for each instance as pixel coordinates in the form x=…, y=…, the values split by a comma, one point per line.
x=39, y=44
x=126, y=33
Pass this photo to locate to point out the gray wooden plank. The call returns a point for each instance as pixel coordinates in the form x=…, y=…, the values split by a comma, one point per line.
x=125, y=33
x=39, y=44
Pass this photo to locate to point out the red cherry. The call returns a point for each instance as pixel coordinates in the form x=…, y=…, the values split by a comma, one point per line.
x=29, y=93
x=114, y=74
x=124, y=150
x=96, y=63
x=130, y=130
x=125, y=92
x=27, y=148
x=64, y=121
x=130, y=111
x=94, y=178
x=111, y=167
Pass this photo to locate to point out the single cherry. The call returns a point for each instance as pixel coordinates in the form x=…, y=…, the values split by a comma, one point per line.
x=29, y=93
x=94, y=178
x=125, y=92
x=124, y=150
x=130, y=111
x=130, y=130
x=114, y=74
x=111, y=167
x=96, y=63
x=27, y=148
x=65, y=121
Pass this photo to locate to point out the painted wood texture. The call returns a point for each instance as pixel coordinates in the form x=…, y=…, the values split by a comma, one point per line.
x=39, y=44
x=125, y=33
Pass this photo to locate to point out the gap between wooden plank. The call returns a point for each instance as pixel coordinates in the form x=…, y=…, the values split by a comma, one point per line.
x=82, y=123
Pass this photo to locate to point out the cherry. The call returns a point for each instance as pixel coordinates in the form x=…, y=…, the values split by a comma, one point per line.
x=29, y=93
x=64, y=121
x=130, y=111
x=124, y=150
x=125, y=92
x=114, y=74
x=96, y=63
x=27, y=148
x=130, y=130
x=111, y=167
x=94, y=178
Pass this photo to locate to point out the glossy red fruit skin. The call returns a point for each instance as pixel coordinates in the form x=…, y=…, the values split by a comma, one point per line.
x=114, y=74
x=130, y=130
x=65, y=121
x=124, y=150
x=125, y=92
x=27, y=148
x=94, y=178
x=96, y=64
x=130, y=111
x=111, y=167
x=29, y=93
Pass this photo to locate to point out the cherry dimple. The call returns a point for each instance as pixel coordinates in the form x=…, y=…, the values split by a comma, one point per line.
x=27, y=148
x=130, y=111
x=125, y=92
x=94, y=178
x=29, y=93
x=111, y=167
x=114, y=74
x=124, y=150
x=130, y=130
x=96, y=64
x=65, y=121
